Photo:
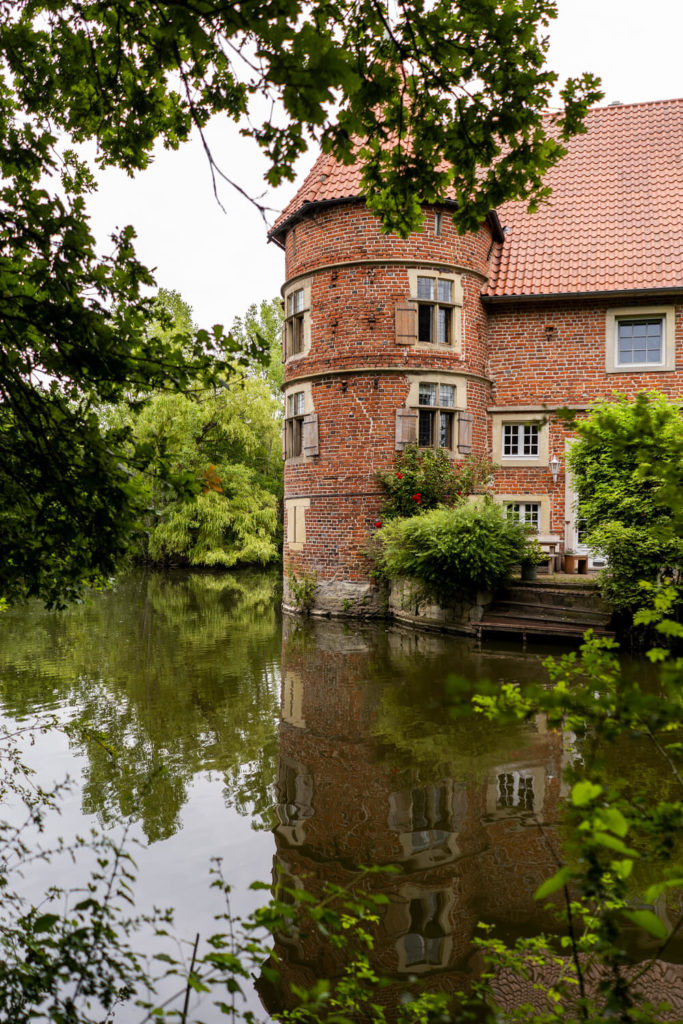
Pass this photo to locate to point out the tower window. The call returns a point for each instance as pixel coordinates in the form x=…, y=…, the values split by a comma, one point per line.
x=435, y=310
x=436, y=415
x=294, y=424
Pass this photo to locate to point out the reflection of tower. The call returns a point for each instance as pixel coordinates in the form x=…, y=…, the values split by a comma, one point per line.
x=351, y=792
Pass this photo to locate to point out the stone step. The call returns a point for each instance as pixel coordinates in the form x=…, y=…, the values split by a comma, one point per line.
x=555, y=613
x=549, y=596
x=492, y=623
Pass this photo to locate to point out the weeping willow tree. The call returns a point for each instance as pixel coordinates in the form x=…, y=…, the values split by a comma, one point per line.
x=225, y=441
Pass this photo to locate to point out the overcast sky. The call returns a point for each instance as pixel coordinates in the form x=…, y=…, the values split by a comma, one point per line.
x=220, y=262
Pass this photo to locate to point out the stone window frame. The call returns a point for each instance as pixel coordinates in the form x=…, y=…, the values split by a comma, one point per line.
x=454, y=342
x=529, y=771
x=296, y=509
x=308, y=425
x=613, y=317
x=296, y=328
x=459, y=384
x=500, y=420
x=402, y=919
x=542, y=500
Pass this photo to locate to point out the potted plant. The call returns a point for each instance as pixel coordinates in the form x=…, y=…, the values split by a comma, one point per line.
x=533, y=557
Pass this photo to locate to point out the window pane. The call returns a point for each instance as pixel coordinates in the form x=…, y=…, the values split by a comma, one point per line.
x=427, y=394
x=424, y=332
x=437, y=223
x=445, y=429
x=443, y=325
x=640, y=341
x=425, y=287
x=445, y=291
x=512, y=510
x=530, y=439
x=290, y=405
x=510, y=439
x=299, y=403
x=426, y=429
x=531, y=514
x=296, y=437
x=447, y=395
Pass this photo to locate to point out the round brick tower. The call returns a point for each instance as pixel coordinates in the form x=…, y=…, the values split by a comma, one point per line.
x=384, y=345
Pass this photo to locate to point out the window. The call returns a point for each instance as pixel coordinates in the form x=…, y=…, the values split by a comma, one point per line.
x=434, y=310
x=437, y=222
x=527, y=512
x=294, y=323
x=436, y=415
x=640, y=342
x=520, y=440
x=640, y=338
x=294, y=425
x=515, y=790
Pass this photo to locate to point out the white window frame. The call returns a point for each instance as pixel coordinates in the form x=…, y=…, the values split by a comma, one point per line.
x=542, y=500
x=615, y=317
x=501, y=420
x=518, y=432
x=522, y=508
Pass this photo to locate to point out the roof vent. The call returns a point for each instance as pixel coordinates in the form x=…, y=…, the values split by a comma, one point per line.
x=615, y=103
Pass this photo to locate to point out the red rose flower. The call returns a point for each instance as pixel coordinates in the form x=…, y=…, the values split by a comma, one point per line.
x=417, y=498
x=399, y=476
x=378, y=524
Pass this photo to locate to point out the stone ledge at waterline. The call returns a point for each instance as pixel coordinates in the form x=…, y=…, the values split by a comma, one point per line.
x=402, y=601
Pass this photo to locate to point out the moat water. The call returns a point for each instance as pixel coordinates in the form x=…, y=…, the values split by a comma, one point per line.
x=304, y=749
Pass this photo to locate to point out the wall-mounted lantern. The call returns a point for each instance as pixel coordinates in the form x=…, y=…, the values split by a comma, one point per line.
x=554, y=468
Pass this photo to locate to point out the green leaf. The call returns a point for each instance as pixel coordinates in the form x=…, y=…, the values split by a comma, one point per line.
x=585, y=791
x=648, y=920
x=551, y=885
x=45, y=922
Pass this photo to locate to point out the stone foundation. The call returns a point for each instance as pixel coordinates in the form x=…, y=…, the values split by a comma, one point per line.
x=401, y=602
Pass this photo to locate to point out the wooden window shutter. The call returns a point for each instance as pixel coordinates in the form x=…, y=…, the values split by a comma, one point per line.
x=284, y=441
x=406, y=324
x=406, y=428
x=465, y=432
x=285, y=335
x=310, y=434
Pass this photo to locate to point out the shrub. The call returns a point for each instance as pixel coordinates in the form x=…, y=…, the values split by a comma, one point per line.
x=450, y=550
x=423, y=479
x=626, y=471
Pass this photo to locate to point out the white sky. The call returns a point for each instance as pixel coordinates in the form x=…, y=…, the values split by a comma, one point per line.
x=220, y=262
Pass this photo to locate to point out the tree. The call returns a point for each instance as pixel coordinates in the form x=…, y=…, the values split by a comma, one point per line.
x=227, y=439
x=439, y=100
x=627, y=457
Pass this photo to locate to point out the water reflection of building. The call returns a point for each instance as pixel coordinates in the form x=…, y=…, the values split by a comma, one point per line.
x=364, y=780
x=464, y=832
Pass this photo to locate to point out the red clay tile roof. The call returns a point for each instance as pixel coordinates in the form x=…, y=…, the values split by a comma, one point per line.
x=614, y=221
x=327, y=180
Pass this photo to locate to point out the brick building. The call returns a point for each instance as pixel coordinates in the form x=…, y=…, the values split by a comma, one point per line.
x=472, y=342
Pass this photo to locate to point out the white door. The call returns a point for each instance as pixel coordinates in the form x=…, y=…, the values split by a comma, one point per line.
x=573, y=532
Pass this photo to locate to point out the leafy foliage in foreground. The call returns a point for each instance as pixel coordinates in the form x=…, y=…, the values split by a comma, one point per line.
x=627, y=456
x=472, y=546
x=460, y=86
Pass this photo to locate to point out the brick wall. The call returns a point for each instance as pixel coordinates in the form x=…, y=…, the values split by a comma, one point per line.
x=531, y=356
